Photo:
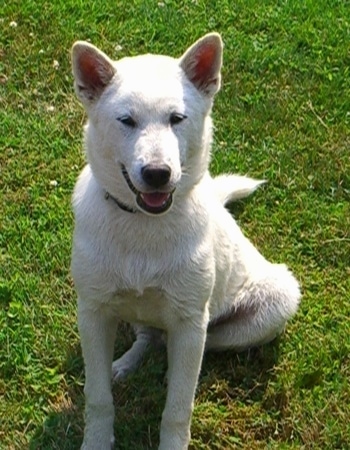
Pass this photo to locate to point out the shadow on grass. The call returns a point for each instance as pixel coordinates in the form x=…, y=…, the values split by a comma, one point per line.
x=139, y=400
x=63, y=427
x=246, y=374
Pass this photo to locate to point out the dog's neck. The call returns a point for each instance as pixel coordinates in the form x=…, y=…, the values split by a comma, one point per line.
x=120, y=204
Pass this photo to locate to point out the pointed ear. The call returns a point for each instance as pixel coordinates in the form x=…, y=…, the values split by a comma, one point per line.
x=92, y=71
x=202, y=63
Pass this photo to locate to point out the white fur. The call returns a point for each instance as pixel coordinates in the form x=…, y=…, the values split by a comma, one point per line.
x=189, y=271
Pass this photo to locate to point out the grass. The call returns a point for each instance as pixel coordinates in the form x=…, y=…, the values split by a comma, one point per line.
x=283, y=114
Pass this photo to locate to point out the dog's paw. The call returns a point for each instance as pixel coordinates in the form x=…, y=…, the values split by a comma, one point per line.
x=88, y=447
x=120, y=370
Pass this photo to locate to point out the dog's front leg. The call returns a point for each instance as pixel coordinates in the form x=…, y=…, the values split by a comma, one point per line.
x=97, y=333
x=185, y=351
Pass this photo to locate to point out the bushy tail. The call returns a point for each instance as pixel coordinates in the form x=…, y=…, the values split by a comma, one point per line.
x=233, y=187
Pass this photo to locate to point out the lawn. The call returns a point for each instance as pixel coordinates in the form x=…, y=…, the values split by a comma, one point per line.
x=283, y=114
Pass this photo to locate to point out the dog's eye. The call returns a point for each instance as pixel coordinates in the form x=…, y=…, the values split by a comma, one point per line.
x=127, y=120
x=176, y=118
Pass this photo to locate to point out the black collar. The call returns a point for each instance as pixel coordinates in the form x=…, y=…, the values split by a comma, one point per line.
x=120, y=204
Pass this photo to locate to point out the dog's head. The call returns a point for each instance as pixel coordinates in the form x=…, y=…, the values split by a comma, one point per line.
x=148, y=134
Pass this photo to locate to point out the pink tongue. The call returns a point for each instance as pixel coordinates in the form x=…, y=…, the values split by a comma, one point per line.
x=156, y=199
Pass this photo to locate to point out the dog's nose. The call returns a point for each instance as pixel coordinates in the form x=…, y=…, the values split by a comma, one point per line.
x=156, y=176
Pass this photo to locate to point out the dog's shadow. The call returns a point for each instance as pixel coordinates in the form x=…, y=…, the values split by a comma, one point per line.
x=139, y=400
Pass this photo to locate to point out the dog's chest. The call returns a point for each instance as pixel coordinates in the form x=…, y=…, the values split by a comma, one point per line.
x=149, y=307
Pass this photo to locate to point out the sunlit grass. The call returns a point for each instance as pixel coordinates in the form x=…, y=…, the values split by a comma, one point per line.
x=283, y=114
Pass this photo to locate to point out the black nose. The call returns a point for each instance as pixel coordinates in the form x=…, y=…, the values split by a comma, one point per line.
x=156, y=176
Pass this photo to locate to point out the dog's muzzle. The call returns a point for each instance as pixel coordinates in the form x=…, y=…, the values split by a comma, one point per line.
x=156, y=177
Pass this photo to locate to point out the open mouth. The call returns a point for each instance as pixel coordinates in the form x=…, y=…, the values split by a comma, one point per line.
x=152, y=202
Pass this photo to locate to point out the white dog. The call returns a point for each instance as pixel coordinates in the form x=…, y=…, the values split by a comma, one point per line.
x=153, y=242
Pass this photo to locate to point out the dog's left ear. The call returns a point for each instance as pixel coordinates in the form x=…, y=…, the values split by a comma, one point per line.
x=202, y=63
x=92, y=70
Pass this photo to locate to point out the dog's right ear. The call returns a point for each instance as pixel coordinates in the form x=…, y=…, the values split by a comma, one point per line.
x=92, y=71
x=202, y=63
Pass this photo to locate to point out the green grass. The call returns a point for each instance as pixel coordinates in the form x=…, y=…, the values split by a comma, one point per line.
x=283, y=114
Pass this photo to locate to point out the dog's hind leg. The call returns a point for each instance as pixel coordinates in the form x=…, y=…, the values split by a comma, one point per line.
x=259, y=313
x=130, y=361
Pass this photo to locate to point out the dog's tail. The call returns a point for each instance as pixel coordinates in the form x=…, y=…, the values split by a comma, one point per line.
x=233, y=187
